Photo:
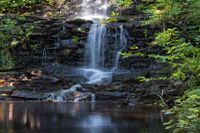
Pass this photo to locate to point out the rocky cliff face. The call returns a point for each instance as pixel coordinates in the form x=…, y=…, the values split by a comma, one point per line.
x=63, y=40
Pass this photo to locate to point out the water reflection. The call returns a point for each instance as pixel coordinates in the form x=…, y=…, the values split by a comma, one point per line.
x=33, y=117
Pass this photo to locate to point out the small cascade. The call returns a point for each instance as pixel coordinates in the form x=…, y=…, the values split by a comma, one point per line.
x=93, y=97
x=44, y=56
x=74, y=94
x=122, y=44
x=98, y=52
x=49, y=52
x=63, y=94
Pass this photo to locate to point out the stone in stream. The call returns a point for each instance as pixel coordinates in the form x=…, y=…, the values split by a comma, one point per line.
x=73, y=94
x=64, y=93
x=28, y=95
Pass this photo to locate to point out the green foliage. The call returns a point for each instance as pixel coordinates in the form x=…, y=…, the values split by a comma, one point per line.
x=144, y=79
x=6, y=60
x=34, y=46
x=187, y=113
x=179, y=22
x=113, y=17
x=175, y=12
x=13, y=31
x=81, y=30
x=12, y=34
x=75, y=39
x=22, y=6
x=123, y=3
x=7, y=27
x=126, y=54
x=134, y=47
x=183, y=57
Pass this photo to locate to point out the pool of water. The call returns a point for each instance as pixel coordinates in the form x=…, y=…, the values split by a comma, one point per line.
x=45, y=117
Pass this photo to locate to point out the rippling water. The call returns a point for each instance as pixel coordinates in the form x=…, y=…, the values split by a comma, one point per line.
x=44, y=117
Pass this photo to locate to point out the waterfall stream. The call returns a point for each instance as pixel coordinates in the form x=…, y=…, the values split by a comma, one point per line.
x=104, y=44
x=98, y=52
x=95, y=46
x=93, y=98
x=94, y=9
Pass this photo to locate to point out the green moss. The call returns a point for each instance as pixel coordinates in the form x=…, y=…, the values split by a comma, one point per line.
x=75, y=39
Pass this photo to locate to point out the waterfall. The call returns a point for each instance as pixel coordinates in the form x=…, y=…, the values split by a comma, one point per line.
x=44, y=56
x=95, y=46
x=98, y=52
x=94, y=9
x=122, y=44
x=93, y=97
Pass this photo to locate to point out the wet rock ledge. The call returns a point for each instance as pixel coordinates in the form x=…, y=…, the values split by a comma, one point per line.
x=37, y=84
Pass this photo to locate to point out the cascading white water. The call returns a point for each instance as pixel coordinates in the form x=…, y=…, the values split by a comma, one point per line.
x=97, y=54
x=102, y=52
x=94, y=9
x=93, y=97
x=122, y=44
x=95, y=46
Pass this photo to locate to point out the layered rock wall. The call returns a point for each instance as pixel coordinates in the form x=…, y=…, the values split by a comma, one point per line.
x=64, y=40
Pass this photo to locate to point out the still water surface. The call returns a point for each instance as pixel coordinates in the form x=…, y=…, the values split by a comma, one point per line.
x=44, y=117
